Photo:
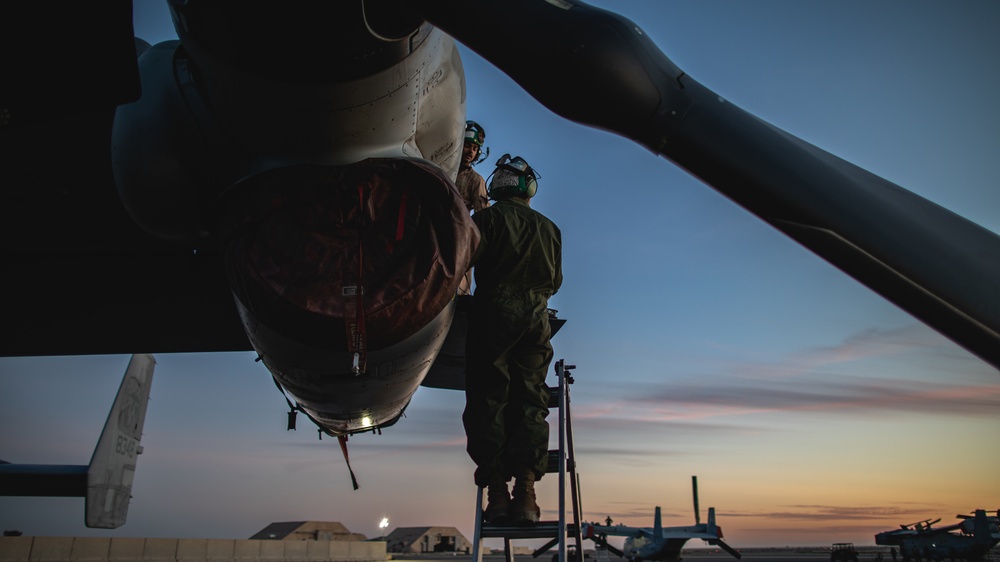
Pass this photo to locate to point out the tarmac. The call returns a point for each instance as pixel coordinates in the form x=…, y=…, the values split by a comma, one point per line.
x=815, y=554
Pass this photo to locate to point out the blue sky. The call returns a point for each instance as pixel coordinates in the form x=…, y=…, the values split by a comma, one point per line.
x=707, y=343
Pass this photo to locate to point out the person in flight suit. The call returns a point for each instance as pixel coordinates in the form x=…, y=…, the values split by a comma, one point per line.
x=518, y=266
x=471, y=185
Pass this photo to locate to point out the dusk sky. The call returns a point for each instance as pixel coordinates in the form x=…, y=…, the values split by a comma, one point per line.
x=706, y=342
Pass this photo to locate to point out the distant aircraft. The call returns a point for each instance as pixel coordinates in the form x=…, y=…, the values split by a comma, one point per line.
x=969, y=540
x=659, y=542
x=106, y=482
x=284, y=184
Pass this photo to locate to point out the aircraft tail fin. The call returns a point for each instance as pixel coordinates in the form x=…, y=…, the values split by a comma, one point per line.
x=981, y=528
x=712, y=528
x=106, y=482
x=657, y=526
x=112, y=467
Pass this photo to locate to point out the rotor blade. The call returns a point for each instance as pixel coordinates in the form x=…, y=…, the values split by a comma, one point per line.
x=694, y=493
x=599, y=69
x=727, y=548
x=611, y=549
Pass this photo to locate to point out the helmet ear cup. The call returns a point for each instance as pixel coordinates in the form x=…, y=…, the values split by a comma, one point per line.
x=528, y=185
x=525, y=186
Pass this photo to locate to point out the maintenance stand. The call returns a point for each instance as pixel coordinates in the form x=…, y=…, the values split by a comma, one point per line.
x=561, y=461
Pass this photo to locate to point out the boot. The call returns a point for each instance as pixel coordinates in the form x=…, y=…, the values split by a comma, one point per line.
x=523, y=509
x=497, y=502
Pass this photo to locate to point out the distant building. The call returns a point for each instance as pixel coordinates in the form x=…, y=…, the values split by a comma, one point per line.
x=417, y=540
x=307, y=531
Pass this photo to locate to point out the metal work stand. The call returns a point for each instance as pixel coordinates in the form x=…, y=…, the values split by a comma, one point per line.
x=561, y=461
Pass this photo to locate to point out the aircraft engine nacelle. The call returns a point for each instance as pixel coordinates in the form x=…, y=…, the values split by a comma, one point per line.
x=318, y=150
x=346, y=282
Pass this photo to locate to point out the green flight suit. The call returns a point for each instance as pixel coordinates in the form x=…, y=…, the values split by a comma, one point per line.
x=518, y=266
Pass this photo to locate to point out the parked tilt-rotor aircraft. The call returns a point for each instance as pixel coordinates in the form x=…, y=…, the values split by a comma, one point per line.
x=296, y=159
x=969, y=540
x=658, y=542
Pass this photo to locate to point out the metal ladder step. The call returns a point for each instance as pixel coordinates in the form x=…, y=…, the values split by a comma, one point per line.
x=540, y=530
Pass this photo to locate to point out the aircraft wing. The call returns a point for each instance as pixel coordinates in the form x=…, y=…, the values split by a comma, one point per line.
x=95, y=301
x=448, y=370
x=61, y=219
x=79, y=276
x=687, y=534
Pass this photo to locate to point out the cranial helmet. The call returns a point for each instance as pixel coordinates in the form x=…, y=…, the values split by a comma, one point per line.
x=513, y=177
x=475, y=134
